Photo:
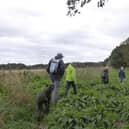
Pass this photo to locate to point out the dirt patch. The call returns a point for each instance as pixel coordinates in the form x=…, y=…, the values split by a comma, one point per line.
x=119, y=124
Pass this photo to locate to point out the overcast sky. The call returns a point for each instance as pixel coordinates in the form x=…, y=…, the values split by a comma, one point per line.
x=33, y=31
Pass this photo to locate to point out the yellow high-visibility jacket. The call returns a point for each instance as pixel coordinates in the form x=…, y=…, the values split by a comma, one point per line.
x=70, y=73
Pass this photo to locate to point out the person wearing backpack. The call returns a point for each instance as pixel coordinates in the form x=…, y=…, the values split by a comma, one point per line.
x=70, y=79
x=56, y=69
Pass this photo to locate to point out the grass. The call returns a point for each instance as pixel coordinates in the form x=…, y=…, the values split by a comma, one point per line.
x=19, y=91
x=18, y=94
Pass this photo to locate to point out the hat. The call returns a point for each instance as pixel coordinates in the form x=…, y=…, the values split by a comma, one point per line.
x=59, y=56
x=122, y=68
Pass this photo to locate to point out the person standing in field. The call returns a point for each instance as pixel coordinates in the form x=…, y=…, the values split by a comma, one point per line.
x=55, y=69
x=105, y=76
x=70, y=79
x=122, y=74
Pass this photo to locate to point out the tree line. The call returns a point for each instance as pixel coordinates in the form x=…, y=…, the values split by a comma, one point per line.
x=20, y=66
x=119, y=56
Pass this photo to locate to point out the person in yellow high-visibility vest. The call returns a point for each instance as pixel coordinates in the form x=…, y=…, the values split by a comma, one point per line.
x=70, y=79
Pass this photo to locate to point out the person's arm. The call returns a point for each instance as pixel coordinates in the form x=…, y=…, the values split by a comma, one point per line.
x=62, y=67
x=74, y=76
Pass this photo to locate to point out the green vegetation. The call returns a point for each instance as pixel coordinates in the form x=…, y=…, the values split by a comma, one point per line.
x=96, y=106
x=120, y=55
x=18, y=94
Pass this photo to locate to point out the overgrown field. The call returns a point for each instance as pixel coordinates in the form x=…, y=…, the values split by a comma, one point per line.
x=96, y=106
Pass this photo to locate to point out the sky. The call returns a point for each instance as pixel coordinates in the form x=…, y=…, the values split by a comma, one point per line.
x=34, y=31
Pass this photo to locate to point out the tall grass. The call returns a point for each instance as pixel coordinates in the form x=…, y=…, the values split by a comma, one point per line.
x=19, y=90
x=18, y=97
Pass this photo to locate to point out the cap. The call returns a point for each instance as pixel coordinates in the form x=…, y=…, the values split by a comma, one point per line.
x=59, y=55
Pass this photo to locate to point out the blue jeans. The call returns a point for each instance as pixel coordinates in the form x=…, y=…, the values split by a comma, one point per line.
x=121, y=79
x=56, y=90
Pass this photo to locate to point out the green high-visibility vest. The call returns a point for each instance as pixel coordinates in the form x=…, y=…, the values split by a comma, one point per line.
x=70, y=73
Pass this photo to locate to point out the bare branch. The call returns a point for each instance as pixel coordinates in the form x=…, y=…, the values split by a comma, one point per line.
x=72, y=5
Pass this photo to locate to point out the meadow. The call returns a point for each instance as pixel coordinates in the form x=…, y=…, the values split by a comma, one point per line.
x=96, y=106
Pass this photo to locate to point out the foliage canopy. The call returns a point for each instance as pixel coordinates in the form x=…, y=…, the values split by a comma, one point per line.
x=120, y=55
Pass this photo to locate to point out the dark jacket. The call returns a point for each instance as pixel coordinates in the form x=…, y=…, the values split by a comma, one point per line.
x=60, y=71
x=105, y=76
x=121, y=74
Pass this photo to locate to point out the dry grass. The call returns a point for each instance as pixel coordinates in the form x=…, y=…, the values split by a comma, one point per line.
x=15, y=84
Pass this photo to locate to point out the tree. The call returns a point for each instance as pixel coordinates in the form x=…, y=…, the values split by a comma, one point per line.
x=117, y=59
x=120, y=55
x=73, y=4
